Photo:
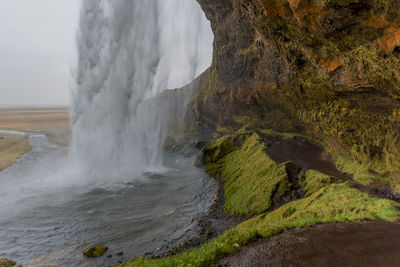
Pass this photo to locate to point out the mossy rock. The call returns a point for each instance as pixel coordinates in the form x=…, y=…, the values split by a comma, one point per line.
x=250, y=176
x=312, y=181
x=6, y=262
x=200, y=159
x=96, y=251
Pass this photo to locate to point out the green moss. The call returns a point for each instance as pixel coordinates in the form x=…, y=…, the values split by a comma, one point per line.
x=328, y=104
x=312, y=181
x=382, y=72
x=250, y=177
x=219, y=148
x=281, y=134
x=7, y=263
x=95, y=252
x=324, y=108
x=244, y=52
x=335, y=203
x=360, y=173
x=372, y=140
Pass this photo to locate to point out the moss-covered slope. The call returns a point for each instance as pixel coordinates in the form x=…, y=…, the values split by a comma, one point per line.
x=249, y=176
x=327, y=68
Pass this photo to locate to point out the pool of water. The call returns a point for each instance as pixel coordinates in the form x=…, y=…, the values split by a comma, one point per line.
x=47, y=217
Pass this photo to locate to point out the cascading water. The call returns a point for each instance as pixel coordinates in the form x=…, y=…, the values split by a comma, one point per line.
x=129, y=53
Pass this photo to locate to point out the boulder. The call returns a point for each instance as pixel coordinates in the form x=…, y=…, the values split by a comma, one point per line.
x=6, y=262
x=96, y=251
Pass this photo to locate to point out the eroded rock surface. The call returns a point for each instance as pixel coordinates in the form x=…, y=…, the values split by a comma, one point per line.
x=317, y=67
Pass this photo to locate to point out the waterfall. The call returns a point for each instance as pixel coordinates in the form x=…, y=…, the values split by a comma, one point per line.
x=129, y=52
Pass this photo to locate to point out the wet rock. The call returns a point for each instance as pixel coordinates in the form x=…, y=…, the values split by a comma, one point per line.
x=6, y=262
x=200, y=159
x=200, y=144
x=96, y=251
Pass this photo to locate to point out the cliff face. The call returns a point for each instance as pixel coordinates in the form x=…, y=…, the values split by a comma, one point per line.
x=327, y=68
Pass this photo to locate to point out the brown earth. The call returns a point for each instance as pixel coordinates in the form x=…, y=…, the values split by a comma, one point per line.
x=303, y=153
x=55, y=122
x=37, y=120
x=369, y=243
x=311, y=156
x=11, y=148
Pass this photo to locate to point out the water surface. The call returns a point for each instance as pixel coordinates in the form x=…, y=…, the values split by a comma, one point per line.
x=48, y=215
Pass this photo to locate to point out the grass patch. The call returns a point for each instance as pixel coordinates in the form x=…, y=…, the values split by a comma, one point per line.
x=360, y=173
x=250, y=177
x=334, y=203
x=312, y=181
x=11, y=148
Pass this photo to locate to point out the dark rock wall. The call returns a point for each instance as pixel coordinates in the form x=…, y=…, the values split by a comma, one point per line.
x=325, y=68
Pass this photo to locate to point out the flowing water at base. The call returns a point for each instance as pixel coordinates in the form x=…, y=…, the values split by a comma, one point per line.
x=45, y=223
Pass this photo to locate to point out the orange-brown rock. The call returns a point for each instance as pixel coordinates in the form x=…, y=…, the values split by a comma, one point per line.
x=389, y=41
x=308, y=13
x=330, y=64
x=375, y=22
x=273, y=8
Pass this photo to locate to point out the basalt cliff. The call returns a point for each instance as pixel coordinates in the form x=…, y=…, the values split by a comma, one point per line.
x=329, y=69
x=300, y=114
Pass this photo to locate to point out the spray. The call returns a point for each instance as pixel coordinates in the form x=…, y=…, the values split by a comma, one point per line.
x=129, y=52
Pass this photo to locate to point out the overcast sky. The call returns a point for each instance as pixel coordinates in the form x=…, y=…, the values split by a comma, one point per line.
x=37, y=50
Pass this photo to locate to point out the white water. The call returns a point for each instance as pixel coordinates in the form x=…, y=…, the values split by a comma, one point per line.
x=129, y=53
x=45, y=220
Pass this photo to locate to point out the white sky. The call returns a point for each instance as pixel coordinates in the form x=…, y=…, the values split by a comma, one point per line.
x=37, y=51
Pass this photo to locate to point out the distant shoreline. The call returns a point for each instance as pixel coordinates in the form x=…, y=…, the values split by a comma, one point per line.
x=33, y=107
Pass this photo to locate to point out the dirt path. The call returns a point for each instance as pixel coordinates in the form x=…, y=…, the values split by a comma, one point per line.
x=303, y=153
x=310, y=156
x=352, y=244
